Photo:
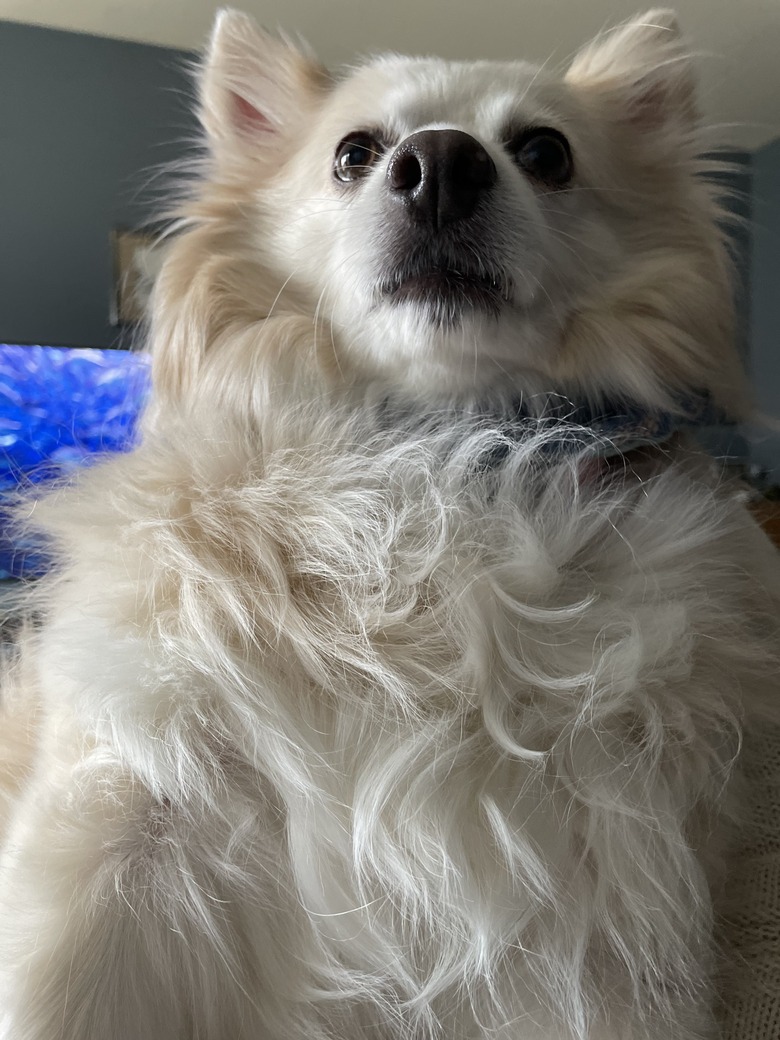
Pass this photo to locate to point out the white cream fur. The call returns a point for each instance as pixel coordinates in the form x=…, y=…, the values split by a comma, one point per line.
x=331, y=727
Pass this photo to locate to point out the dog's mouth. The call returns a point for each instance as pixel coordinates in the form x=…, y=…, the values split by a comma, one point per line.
x=446, y=291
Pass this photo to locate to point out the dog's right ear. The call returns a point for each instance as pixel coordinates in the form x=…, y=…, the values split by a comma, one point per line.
x=254, y=86
x=641, y=74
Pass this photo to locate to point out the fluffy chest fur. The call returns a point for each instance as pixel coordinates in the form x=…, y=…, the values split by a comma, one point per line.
x=457, y=729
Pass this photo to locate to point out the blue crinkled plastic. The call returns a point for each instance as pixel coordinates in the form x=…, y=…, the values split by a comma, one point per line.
x=61, y=408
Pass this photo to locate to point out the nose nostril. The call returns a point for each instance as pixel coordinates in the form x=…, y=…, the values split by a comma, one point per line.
x=405, y=172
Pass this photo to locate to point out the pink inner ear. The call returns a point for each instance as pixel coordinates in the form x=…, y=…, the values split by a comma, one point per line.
x=651, y=109
x=248, y=117
x=662, y=103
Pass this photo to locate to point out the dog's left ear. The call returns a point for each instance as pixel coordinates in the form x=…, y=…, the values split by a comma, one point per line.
x=254, y=87
x=641, y=74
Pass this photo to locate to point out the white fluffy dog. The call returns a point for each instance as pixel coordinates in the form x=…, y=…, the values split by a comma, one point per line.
x=380, y=692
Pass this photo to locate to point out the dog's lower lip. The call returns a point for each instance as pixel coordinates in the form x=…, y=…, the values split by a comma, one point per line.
x=450, y=284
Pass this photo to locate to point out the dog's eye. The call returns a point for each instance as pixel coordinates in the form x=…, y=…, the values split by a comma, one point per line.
x=355, y=156
x=544, y=154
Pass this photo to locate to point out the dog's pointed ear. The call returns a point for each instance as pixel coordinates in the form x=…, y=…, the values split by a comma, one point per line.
x=254, y=86
x=641, y=72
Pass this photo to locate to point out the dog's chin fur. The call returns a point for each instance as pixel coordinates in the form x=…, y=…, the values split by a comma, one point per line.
x=343, y=720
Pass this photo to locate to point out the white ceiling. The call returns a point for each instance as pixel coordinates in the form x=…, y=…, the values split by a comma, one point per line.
x=738, y=40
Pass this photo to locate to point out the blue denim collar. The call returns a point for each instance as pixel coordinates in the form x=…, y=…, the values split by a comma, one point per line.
x=612, y=428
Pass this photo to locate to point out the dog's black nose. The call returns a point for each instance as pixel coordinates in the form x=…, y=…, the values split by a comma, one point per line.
x=440, y=175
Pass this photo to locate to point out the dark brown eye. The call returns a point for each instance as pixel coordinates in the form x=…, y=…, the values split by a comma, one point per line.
x=544, y=154
x=355, y=156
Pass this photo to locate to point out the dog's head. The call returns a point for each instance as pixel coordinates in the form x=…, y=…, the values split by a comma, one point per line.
x=460, y=229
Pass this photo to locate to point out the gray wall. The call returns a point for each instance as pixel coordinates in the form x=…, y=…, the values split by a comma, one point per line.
x=738, y=202
x=84, y=124
x=732, y=173
x=765, y=299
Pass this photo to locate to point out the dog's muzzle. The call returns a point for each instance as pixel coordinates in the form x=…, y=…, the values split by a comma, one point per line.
x=437, y=184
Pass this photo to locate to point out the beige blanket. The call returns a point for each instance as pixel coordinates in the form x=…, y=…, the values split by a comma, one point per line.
x=752, y=993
